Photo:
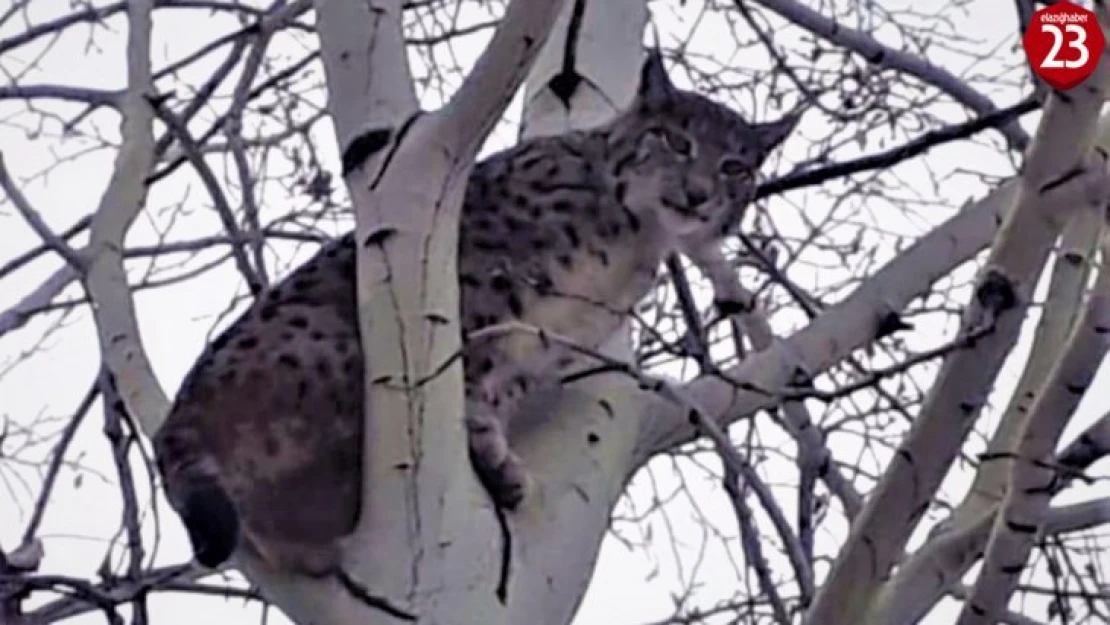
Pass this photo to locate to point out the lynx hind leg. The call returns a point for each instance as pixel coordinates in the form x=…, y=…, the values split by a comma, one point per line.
x=205, y=501
x=194, y=490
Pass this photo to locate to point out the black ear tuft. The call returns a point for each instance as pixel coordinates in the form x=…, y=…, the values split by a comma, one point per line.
x=655, y=84
x=212, y=523
x=771, y=134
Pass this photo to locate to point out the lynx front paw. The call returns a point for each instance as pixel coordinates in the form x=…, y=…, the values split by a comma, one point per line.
x=501, y=472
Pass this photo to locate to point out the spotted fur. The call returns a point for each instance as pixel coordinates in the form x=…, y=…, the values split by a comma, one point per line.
x=262, y=447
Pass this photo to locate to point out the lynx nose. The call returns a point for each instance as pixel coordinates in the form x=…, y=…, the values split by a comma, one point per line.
x=696, y=198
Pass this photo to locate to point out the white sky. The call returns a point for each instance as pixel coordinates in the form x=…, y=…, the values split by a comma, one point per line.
x=630, y=586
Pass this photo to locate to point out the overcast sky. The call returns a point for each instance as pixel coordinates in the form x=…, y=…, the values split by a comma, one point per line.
x=630, y=586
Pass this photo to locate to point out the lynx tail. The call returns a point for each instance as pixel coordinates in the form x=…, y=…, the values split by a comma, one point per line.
x=194, y=491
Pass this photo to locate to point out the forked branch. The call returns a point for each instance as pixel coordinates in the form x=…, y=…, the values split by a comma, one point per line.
x=499, y=73
x=1020, y=521
x=1058, y=160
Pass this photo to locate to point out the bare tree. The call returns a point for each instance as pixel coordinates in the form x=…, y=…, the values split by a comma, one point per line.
x=831, y=403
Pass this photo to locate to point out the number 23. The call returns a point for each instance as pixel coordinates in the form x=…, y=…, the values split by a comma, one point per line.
x=1079, y=43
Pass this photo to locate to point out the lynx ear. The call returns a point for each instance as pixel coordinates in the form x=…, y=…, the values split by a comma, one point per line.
x=771, y=134
x=655, y=84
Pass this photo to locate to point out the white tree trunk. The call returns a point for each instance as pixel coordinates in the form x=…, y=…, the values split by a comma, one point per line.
x=428, y=542
x=558, y=538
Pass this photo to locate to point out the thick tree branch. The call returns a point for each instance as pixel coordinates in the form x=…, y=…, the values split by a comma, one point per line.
x=1033, y=474
x=956, y=545
x=1077, y=517
x=927, y=573
x=1058, y=159
x=406, y=174
x=833, y=335
x=123, y=200
x=580, y=452
x=841, y=328
x=369, y=84
x=499, y=73
x=1090, y=446
x=1067, y=288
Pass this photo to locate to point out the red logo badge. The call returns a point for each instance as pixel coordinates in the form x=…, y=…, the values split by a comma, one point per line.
x=1063, y=43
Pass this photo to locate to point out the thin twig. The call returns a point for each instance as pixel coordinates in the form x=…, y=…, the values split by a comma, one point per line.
x=31, y=216
x=57, y=457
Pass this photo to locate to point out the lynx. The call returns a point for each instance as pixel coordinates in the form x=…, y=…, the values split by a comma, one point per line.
x=262, y=447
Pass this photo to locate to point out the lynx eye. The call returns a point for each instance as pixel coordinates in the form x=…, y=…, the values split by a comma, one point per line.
x=679, y=143
x=735, y=167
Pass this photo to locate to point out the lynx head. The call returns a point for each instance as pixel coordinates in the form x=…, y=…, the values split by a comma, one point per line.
x=690, y=159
